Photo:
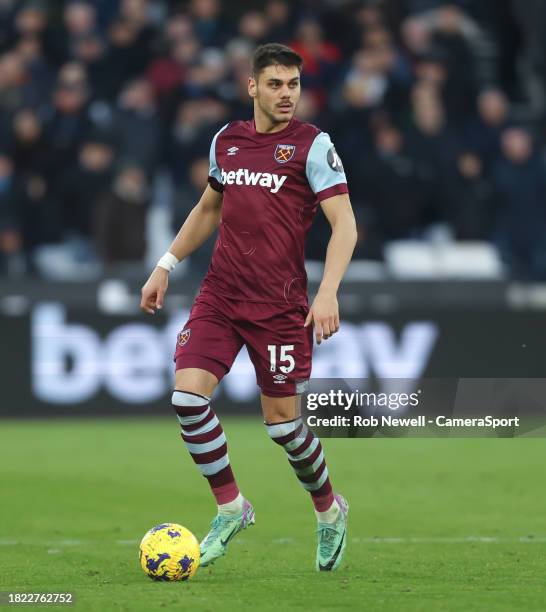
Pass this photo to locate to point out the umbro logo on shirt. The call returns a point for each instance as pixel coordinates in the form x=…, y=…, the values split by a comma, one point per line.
x=232, y=150
x=243, y=176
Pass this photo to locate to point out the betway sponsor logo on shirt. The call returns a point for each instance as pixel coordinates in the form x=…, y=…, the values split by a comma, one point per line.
x=243, y=176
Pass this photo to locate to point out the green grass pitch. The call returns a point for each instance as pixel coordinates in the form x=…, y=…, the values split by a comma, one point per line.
x=453, y=524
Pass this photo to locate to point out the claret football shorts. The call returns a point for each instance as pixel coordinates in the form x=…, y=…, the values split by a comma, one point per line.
x=278, y=344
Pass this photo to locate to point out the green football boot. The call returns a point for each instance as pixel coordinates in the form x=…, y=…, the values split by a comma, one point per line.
x=332, y=538
x=223, y=528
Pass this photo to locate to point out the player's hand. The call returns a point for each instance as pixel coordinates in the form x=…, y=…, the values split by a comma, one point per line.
x=153, y=292
x=324, y=315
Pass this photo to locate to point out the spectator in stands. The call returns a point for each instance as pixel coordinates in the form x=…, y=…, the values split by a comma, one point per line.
x=451, y=40
x=396, y=84
x=68, y=119
x=79, y=20
x=119, y=217
x=136, y=15
x=124, y=55
x=178, y=27
x=416, y=36
x=13, y=82
x=238, y=55
x=470, y=207
x=138, y=125
x=31, y=20
x=448, y=32
x=207, y=73
x=168, y=72
x=431, y=71
x=278, y=14
x=391, y=187
x=37, y=208
x=40, y=216
x=253, y=27
x=320, y=58
x=392, y=64
x=380, y=75
x=520, y=180
x=345, y=25
x=432, y=145
x=91, y=51
x=483, y=133
x=11, y=239
x=211, y=27
x=366, y=83
x=530, y=18
x=40, y=74
x=83, y=182
x=29, y=148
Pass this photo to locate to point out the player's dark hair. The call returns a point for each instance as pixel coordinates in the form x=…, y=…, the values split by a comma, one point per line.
x=273, y=54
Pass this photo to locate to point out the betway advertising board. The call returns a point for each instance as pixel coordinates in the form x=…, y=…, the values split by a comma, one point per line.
x=60, y=360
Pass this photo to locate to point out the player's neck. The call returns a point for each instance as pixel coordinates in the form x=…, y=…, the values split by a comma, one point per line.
x=266, y=126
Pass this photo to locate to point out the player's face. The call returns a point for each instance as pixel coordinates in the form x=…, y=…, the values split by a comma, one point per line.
x=276, y=91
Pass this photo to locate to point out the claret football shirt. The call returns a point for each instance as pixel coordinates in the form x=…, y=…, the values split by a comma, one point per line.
x=271, y=185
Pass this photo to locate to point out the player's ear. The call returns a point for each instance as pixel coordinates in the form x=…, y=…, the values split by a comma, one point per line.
x=252, y=86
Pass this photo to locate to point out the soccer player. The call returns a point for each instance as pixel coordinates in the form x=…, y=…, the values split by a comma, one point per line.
x=266, y=179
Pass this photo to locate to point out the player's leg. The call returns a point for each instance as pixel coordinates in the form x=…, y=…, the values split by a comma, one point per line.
x=306, y=456
x=206, y=349
x=281, y=350
x=303, y=449
x=203, y=434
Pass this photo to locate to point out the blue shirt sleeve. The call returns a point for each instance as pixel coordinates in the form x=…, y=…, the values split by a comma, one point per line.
x=214, y=171
x=324, y=168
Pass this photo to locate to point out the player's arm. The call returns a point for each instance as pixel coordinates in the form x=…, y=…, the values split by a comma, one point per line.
x=202, y=221
x=324, y=312
x=328, y=182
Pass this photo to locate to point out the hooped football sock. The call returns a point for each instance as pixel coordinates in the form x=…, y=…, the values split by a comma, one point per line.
x=330, y=515
x=232, y=508
x=206, y=443
x=305, y=455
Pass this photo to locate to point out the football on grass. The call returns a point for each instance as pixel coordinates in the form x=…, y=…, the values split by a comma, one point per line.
x=169, y=552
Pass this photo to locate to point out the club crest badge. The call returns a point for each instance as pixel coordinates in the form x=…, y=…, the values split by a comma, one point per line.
x=284, y=153
x=183, y=337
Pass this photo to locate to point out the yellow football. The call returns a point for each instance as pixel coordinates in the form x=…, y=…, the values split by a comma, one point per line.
x=169, y=552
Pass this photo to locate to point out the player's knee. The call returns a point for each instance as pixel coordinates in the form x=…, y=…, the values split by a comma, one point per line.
x=285, y=433
x=189, y=406
x=196, y=380
x=280, y=409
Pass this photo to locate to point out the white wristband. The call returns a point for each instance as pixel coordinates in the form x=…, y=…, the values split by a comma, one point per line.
x=167, y=262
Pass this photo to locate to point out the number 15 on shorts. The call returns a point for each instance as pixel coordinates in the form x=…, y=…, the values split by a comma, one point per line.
x=284, y=356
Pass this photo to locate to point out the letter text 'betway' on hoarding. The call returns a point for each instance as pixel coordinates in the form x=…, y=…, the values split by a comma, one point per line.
x=69, y=361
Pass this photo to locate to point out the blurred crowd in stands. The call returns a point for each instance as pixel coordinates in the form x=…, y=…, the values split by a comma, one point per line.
x=436, y=109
